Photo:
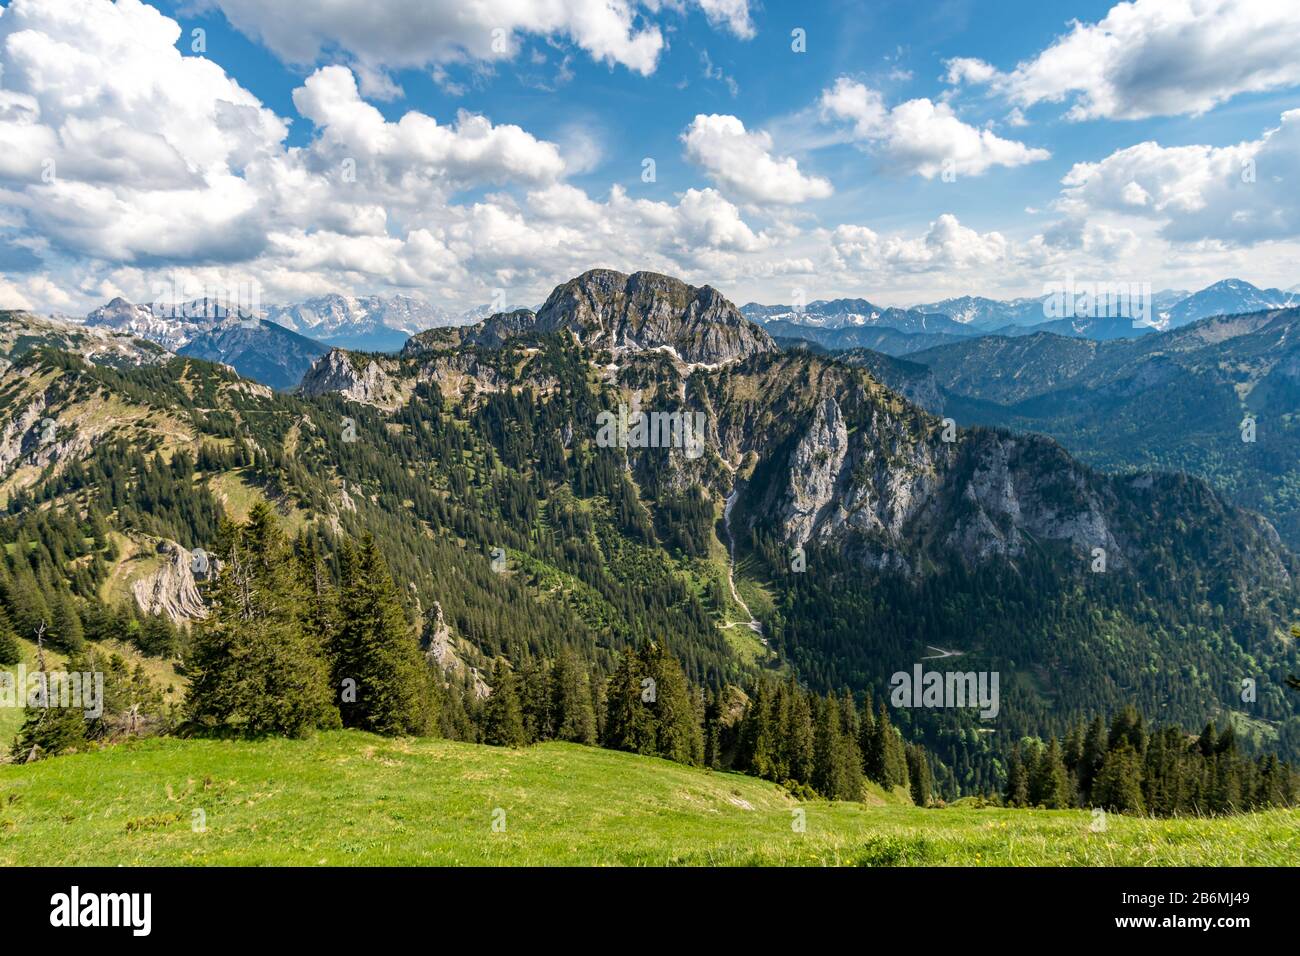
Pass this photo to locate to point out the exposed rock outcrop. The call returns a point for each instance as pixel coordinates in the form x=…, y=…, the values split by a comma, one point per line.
x=441, y=649
x=357, y=377
x=170, y=588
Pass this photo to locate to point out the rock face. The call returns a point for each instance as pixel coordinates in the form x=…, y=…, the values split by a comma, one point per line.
x=645, y=310
x=814, y=471
x=441, y=650
x=170, y=589
x=355, y=377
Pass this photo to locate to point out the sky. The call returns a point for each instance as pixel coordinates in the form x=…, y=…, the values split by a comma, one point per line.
x=467, y=153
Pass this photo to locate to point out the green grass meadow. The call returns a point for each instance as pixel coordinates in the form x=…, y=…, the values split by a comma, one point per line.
x=349, y=798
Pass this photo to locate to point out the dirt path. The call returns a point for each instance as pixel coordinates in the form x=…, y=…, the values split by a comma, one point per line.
x=753, y=623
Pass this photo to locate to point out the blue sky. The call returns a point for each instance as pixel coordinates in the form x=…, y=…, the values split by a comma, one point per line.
x=911, y=151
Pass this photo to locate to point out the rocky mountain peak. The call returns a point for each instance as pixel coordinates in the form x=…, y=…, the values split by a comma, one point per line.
x=646, y=310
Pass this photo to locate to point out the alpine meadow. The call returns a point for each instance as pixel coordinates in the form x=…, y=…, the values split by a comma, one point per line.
x=636, y=434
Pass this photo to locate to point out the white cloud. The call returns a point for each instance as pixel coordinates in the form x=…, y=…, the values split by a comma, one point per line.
x=920, y=136
x=733, y=13
x=1155, y=58
x=1070, y=235
x=965, y=69
x=945, y=245
x=420, y=33
x=115, y=144
x=741, y=162
x=416, y=146
x=1239, y=194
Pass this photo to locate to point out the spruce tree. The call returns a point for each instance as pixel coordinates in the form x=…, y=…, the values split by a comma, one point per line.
x=10, y=651
x=798, y=737
x=678, y=734
x=48, y=729
x=377, y=647
x=571, y=712
x=254, y=668
x=1049, y=784
x=503, y=719
x=65, y=633
x=630, y=722
x=918, y=773
x=1017, y=792
x=1118, y=787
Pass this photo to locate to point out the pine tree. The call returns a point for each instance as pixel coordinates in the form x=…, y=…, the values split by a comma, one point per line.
x=65, y=631
x=629, y=721
x=10, y=652
x=798, y=738
x=918, y=772
x=678, y=735
x=535, y=700
x=1093, y=756
x=837, y=764
x=48, y=729
x=1049, y=784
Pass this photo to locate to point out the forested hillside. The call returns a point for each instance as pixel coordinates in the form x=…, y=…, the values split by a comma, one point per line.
x=517, y=547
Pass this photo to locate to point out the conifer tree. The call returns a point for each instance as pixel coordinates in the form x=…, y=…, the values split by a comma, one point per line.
x=798, y=737
x=918, y=773
x=629, y=721
x=535, y=700
x=837, y=765
x=65, y=631
x=1117, y=787
x=10, y=652
x=48, y=729
x=1017, y=792
x=254, y=668
x=677, y=731
x=1092, y=757
x=1049, y=784
x=376, y=646
x=503, y=719
x=572, y=714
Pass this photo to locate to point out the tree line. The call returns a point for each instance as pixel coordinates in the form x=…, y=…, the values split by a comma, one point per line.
x=1126, y=768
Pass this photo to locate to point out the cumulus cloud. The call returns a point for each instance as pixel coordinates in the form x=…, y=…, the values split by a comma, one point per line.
x=1071, y=235
x=1155, y=58
x=1238, y=194
x=920, y=136
x=115, y=144
x=741, y=162
x=470, y=152
x=395, y=34
x=946, y=244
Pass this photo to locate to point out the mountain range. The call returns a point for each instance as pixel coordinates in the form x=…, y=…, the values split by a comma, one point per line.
x=856, y=323
x=863, y=526
x=1177, y=400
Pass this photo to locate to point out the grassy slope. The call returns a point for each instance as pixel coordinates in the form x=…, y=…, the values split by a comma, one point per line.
x=350, y=798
